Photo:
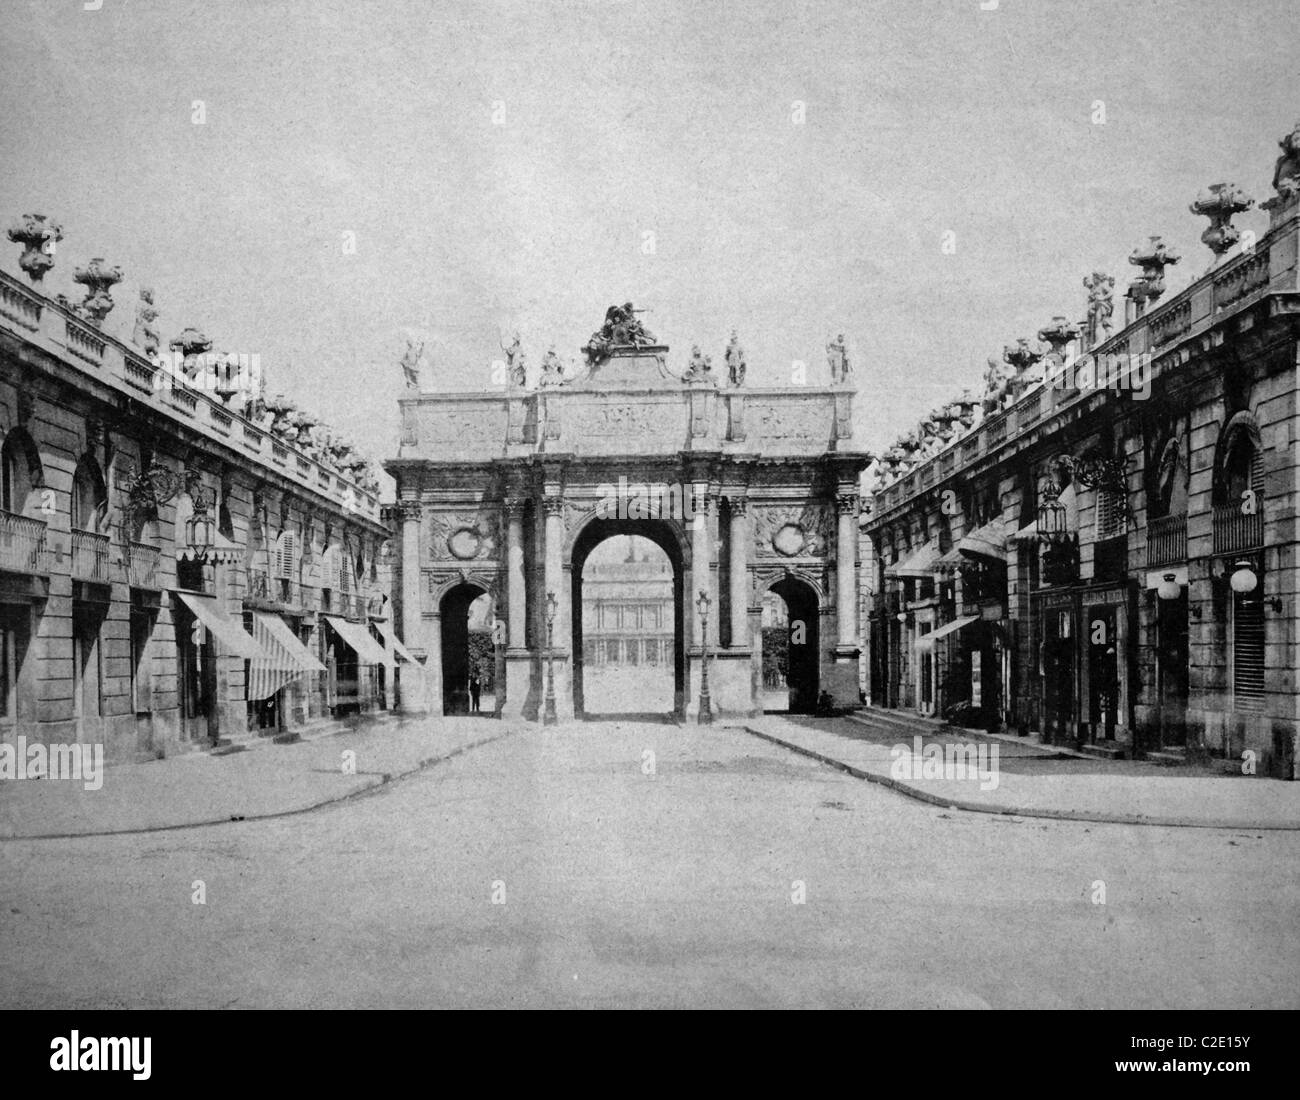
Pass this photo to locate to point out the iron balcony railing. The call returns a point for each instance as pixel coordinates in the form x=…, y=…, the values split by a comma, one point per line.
x=142, y=565
x=22, y=545
x=90, y=557
x=277, y=590
x=1167, y=540
x=1237, y=530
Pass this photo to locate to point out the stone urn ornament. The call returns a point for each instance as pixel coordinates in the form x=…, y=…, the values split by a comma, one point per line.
x=38, y=238
x=1219, y=203
x=98, y=279
x=1153, y=259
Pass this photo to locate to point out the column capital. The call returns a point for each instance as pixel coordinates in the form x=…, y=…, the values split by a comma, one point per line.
x=514, y=508
x=410, y=509
x=846, y=504
x=553, y=505
x=739, y=505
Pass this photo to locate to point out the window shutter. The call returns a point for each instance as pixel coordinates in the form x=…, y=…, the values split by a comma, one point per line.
x=1248, y=652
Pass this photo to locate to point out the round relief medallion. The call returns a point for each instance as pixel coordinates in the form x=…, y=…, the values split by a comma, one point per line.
x=464, y=543
x=788, y=540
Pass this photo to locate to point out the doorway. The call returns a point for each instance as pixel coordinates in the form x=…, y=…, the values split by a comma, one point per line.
x=468, y=655
x=789, y=656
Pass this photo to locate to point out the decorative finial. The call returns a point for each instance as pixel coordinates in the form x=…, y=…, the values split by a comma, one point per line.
x=1219, y=203
x=38, y=238
x=97, y=279
x=1058, y=335
x=1153, y=259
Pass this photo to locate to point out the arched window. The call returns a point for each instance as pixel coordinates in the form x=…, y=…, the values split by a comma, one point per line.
x=22, y=475
x=1241, y=461
x=1171, y=482
x=89, y=496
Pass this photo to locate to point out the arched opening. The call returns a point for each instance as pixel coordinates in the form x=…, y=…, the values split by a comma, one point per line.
x=790, y=647
x=628, y=616
x=627, y=631
x=89, y=496
x=468, y=652
x=22, y=475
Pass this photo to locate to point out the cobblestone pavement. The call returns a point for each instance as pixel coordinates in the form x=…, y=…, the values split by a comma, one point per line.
x=628, y=864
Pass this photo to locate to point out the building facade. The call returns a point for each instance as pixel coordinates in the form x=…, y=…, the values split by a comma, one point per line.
x=1102, y=549
x=182, y=562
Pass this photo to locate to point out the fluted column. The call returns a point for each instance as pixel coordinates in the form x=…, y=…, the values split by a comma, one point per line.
x=516, y=609
x=846, y=557
x=737, y=565
x=412, y=624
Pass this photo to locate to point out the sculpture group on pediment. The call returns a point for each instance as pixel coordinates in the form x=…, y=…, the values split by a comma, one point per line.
x=622, y=328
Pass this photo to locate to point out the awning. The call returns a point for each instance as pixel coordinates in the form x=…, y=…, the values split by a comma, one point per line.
x=950, y=562
x=989, y=541
x=395, y=642
x=920, y=564
x=232, y=635
x=278, y=666
x=368, y=651
x=284, y=639
x=222, y=551
x=948, y=628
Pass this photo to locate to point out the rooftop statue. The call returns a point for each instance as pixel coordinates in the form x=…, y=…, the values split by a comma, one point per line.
x=699, y=368
x=1100, y=306
x=411, y=364
x=145, y=336
x=622, y=329
x=552, y=369
x=735, y=358
x=1286, y=176
x=837, y=355
x=516, y=372
x=996, y=380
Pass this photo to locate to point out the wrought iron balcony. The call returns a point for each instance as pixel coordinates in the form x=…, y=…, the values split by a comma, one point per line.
x=22, y=545
x=1235, y=530
x=142, y=565
x=1167, y=540
x=90, y=557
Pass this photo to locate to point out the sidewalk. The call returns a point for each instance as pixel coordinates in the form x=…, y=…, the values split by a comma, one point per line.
x=1034, y=781
x=267, y=781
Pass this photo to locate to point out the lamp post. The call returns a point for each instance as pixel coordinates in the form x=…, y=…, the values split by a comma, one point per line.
x=548, y=710
x=705, y=716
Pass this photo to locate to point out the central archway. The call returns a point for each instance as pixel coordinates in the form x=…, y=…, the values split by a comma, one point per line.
x=468, y=666
x=662, y=535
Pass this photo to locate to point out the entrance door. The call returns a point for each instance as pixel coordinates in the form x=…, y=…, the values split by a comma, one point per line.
x=1171, y=668
x=926, y=657
x=1103, y=673
x=198, y=677
x=1058, y=674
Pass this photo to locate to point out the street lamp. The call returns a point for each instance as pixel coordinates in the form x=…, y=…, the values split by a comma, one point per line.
x=1169, y=588
x=705, y=716
x=548, y=710
x=1243, y=580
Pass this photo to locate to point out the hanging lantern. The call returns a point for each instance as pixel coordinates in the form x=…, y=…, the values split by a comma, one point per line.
x=1052, y=520
x=1243, y=580
x=1169, y=588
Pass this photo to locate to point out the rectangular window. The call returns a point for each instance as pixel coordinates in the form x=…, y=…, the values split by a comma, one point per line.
x=14, y=636
x=141, y=670
x=1110, y=514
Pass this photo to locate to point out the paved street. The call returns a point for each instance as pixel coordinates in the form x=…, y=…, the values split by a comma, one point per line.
x=614, y=887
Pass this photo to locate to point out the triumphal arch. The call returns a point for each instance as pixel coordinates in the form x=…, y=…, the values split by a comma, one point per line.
x=745, y=489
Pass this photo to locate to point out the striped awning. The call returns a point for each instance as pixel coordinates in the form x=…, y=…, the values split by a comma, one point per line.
x=950, y=562
x=989, y=541
x=357, y=635
x=231, y=634
x=395, y=643
x=919, y=564
x=278, y=666
x=286, y=640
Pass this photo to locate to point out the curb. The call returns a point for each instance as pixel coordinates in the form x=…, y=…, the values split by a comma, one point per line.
x=383, y=780
x=1011, y=811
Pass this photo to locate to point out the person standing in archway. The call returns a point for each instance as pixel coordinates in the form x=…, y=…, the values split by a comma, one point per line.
x=475, y=690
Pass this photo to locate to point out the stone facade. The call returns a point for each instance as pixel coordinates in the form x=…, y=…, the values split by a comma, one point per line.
x=1109, y=557
x=99, y=643
x=745, y=490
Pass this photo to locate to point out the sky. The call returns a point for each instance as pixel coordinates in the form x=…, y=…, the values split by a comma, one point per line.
x=317, y=182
